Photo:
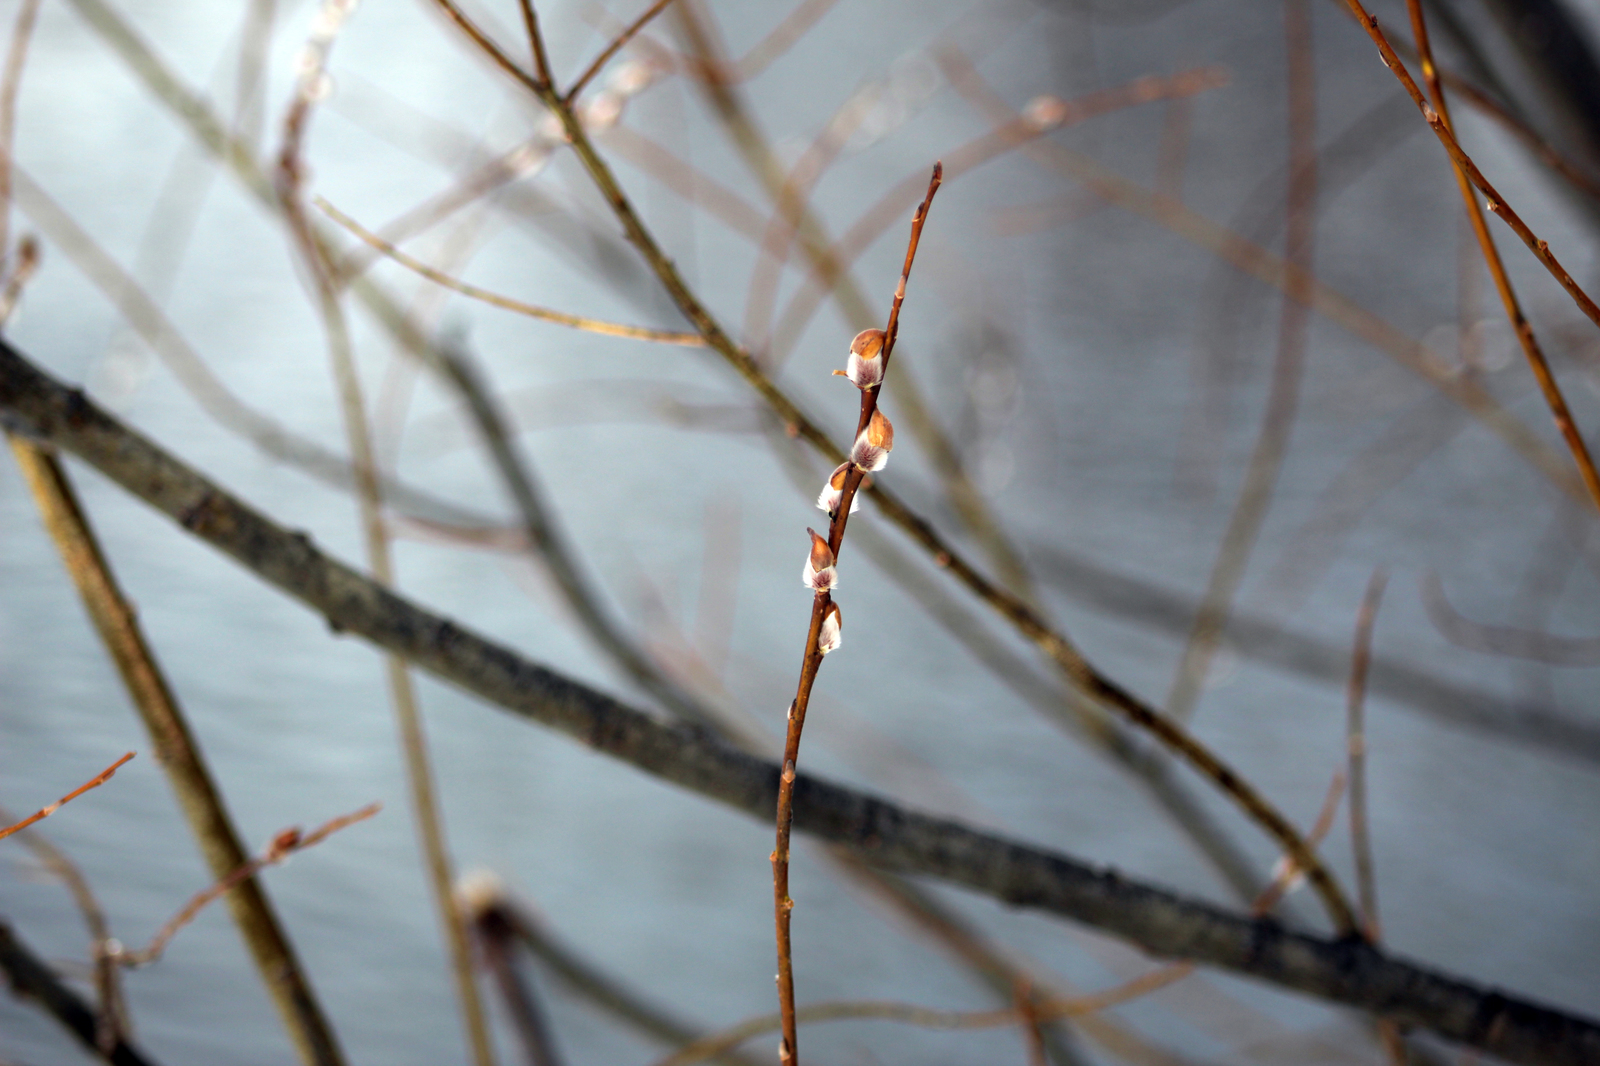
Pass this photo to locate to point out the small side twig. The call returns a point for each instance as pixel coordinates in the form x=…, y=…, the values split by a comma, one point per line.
x=44, y=812
x=611, y=49
x=820, y=569
x=541, y=64
x=282, y=846
x=439, y=277
x=112, y=1006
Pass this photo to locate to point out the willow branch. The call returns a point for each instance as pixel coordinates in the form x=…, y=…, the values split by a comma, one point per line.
x=1347, y=970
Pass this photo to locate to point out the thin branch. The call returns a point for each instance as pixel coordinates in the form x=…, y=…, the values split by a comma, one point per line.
x=927, y=1018
x=176, y=752
x=16, y=55
x=1347, y=970
x=589, y=325
x=613, y=48
x=1497, y=203
x=30, y=976
x=44, y=812
x=282, y=846
x=1527, y=644
x=528, y=1020
x=1356, y=748
x=112, y=1006
x=1491, y=256
x=1356, y=743
x=782, y=36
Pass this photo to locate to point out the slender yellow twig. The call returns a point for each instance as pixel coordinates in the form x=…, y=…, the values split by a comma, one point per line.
x=590, y=325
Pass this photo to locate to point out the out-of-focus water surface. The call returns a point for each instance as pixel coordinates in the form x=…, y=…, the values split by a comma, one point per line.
x=1102, y=375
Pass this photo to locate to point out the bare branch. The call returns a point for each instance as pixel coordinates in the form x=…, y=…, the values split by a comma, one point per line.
x=1347, y=971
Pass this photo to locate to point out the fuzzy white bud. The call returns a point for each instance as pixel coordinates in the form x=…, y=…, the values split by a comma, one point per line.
x=865, y=365
x=833, y=491
x=872, y=447
x=819, y=574
x=830, y=639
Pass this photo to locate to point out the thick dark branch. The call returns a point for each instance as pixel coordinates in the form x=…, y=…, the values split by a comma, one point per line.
x=28, y=976
x=1347, y=971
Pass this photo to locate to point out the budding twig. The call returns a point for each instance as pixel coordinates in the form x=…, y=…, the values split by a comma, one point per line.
x=875, y=437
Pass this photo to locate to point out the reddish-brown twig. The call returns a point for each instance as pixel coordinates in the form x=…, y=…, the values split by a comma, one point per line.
x=283, y=845
x=1440, y=119
x=1497, y=203
x=822, y=602
x=44, y=812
